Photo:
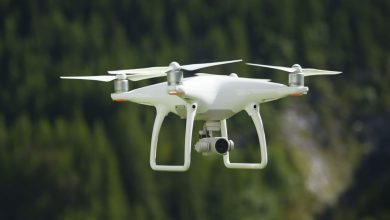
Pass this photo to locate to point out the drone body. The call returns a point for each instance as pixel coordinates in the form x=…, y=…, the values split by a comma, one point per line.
x=206, y=97
x=218, y=96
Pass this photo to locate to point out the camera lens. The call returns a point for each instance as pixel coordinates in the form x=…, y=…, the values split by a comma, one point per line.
x=221, y=146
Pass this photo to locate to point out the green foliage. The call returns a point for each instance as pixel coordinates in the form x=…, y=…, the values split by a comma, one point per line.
x=68, y=152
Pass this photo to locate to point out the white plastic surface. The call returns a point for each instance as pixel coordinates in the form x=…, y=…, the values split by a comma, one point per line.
x=315, y=72
x=103, y=78
x=253, y=111
x=287, y=69
x=211, y=93
x=162, y=112
x=192, y=67
x=306, y=71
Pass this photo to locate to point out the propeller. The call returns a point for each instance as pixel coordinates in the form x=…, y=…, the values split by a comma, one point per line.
x=108, y=78
x=147, y=73
x=296, y=68
x=192, y=67
x=103, y=78
x=172, y=72
x=173, y=66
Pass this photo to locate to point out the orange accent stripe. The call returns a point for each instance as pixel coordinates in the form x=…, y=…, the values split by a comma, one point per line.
x=119, y=100
x=175, y=93
x=296, y=94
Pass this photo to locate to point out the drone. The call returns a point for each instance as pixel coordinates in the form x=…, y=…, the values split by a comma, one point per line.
x=205, y=97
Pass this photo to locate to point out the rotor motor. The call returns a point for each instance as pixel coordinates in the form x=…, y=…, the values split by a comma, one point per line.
x=175, y=79
x=121, y=84
x=296, y=78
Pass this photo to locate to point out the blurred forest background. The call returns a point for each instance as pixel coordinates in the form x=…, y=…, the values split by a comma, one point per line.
x=68, y=152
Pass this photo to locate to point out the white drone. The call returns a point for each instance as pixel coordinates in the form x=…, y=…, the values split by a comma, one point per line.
x=207, y=97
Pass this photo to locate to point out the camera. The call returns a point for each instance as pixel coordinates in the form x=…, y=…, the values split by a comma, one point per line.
x=210, y=145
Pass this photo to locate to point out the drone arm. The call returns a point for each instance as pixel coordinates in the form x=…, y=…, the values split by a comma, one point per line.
x=253, y=111
x=162, y=112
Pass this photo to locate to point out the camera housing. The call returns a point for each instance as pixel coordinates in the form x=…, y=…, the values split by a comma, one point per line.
x=214, y=145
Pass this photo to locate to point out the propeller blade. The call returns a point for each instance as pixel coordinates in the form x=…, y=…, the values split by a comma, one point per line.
x=313, y=72
x=141, y=71
x=306, y=72
x=191, y=67
x=139, y=77
x=103, y=78
x=287, y=69
x=159, y=71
